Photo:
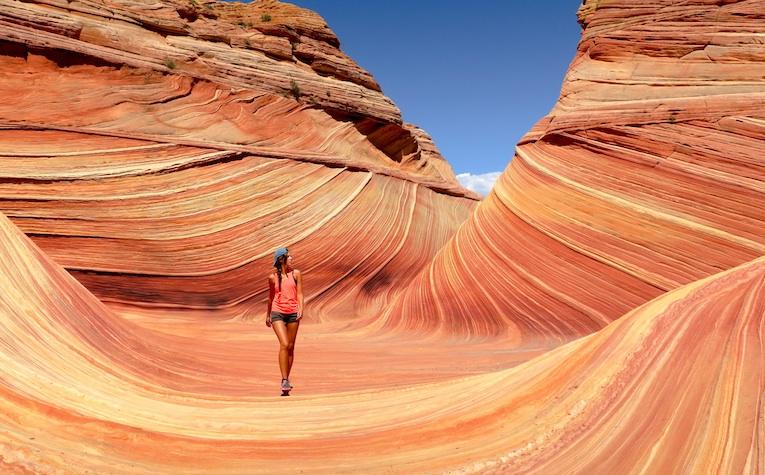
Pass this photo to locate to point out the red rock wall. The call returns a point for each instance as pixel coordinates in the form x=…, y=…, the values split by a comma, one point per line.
x=647, y=174
x=161, y=155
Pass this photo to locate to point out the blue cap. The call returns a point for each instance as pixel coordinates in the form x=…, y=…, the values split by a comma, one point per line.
x=282, y=251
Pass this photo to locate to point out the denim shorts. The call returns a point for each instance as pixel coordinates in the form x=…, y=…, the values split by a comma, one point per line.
x=283, y=317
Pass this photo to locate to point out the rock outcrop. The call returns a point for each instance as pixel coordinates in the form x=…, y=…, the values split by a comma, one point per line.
x=648, y=174
x=161, y=151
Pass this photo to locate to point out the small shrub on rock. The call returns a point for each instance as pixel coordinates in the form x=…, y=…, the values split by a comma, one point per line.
x=294, y=89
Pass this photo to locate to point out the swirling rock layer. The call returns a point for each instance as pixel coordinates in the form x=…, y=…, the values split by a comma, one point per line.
x=79, y=389
x=647, y=175
x=158, y=182
x=152, y=156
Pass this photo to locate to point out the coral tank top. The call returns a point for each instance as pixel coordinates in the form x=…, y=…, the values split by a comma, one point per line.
x=285, y=300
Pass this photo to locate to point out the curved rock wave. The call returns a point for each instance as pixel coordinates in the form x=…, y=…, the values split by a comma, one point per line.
x=153, y=155
x=646, y=175
x=72, y=396
x=171, y=190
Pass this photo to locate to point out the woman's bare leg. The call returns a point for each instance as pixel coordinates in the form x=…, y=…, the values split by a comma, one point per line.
x=284, y=347
x=292, y=330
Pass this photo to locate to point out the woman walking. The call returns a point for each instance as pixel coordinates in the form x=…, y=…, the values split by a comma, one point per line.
x=285, y=309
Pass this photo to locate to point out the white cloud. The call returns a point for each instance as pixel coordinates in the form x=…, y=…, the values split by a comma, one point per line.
x=479, y=183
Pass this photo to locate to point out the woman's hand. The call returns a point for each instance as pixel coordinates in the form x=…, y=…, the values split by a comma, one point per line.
x=268, y=320
x=300, y=314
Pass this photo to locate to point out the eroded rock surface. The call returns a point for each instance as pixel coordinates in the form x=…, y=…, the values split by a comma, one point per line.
x=86, y=390
x=161, y=163
x=153, y=154
x=648, y=174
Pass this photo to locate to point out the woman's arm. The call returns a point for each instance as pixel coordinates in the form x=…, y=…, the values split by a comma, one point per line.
x=299, y=282
x=271, y=293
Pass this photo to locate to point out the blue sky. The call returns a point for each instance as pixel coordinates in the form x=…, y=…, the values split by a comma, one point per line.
x=475, y=75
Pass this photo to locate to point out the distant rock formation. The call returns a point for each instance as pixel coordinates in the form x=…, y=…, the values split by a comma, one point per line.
x=648, y=174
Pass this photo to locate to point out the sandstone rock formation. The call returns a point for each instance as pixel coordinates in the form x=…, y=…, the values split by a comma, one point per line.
x=152, y=155
x=646, y=175
x=81, y=392
x=160, y=151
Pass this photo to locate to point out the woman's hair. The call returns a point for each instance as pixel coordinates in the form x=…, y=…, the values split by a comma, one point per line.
x=278, y=265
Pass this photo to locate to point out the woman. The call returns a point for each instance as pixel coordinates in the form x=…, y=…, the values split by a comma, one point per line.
x=285, y=309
